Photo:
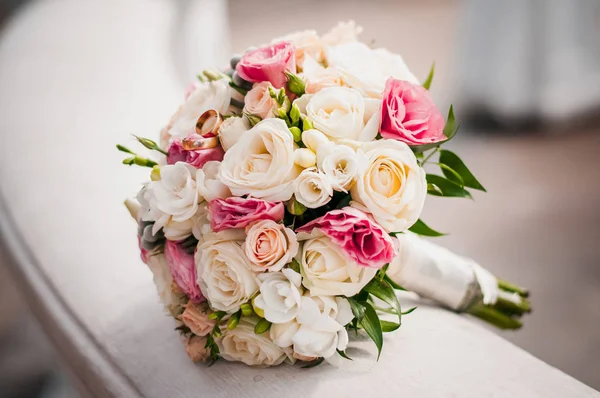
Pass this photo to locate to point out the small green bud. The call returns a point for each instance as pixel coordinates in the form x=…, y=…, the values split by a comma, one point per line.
x=216, y=315
x=307, y=124
x=295, y=84
x=295, y=207
x=129, y=161
x=296, y=133
x=252, y=118
x=286, y=103
x=155, y=173
x=281, y=113
x=148, y=143
x=295, y=114
x=124, y=149
x=262, y=326
x=272, y=93
x=294, y=265
x=212, y=75
x=233, y=322
x=144, y=162
x=257, y=310
x=217, y=332
x=246, y=309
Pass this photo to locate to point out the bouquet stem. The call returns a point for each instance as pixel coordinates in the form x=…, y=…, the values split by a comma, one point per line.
x=506, y=312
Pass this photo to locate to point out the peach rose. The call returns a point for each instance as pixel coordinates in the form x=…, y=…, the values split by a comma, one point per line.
x=195, y=348
x=195, y=317
x=258, y=101
x=269, y=245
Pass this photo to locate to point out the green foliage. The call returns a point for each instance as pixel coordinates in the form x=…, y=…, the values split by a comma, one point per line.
x=455, y=170
x=387, y=326
x=409, y=311
x=447, y=187
x=314, y=363
x=420, y=228
x=344, y=355
x=262, y=326
x=427, y=83
x=383, y=291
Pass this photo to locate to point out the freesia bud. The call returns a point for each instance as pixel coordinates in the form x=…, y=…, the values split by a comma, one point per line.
x=296, y=208
x=134, y=207
x=307, y=124
x=252, y=118
x=246, y=309
x=295, y=84
x=305, y=158
x=313, y=139
x=296, y=133
x=295, y=114
x=155, y=173
x=258, y=310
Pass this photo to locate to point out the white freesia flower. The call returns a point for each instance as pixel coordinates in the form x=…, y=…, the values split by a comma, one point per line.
x=390, y=185
x=209, y=186
x=327, y=270
x=175, y=195
x=243, y=345
x=259, y=102
x=261, y=164
x=269, y=245
x=367, y=69
x=176, y=231
x=224, y=274
x=322, y=320
x=313, y=188
x=339, y=163
x=164, y=282
x=341, y=112
x=201, y=224
x=231, y=130
x=212, y=95
x=282, y=333
x=280, y=295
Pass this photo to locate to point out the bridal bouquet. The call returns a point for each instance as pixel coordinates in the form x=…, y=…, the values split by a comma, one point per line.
x=283, y=205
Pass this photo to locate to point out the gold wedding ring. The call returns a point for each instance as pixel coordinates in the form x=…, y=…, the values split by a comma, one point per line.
x=194, y=141
x=209, y=122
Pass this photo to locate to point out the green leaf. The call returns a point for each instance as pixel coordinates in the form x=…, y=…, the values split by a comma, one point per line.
x=344, y=355
x=345, y=201
x=420, y=228
x=314, y=363
x=370, y=323
x=450, y=129
x=358, y=309
x=427, y=83
x=448, y=188
x=383, y=291
x=124, y=149
x=387, y=326
x=409, y=311
x=393, y=284
x=451, y=174
x=458, y=167
x=434, y=189
x=262, y=326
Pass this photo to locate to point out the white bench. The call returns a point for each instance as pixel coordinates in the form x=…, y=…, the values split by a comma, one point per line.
x=78, y=77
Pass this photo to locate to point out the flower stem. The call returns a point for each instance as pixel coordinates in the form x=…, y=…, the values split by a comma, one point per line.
x=493, y=316
x=510, y=287
x=424, y=161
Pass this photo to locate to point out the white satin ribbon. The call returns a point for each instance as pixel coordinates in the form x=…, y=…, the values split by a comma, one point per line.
x=436, y=273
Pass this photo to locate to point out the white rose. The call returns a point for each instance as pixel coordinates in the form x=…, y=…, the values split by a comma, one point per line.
x=224, y=274
x=269, y=245
x=201, y=224
x=176, y=231
x=282, y=333
x=318, y=77
x=340, y=112
x=279, y=296
x=327, y=270
x=343, y=32
x=367, y=69
x=390, y=185
x=313, y=188
x=339, y=163
x=231, y=130
x=212, y=95
x=209, y=186
x=176, y=193
x=164, y=283
x=261, y=164
x=258, y=101
x=322, y=320
x=243, y=345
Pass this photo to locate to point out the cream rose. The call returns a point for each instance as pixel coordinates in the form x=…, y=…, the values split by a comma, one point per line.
x=367, y=69
x=195, y=317
x=339, y=163
x=261, y=164
x=313, y=188
x=213, y=95
x=201, y=224
x=243, y=345
x=341, y=113
x=317, y=77
x=269, y=245
x=176, y=193
x=231, y=130
x=280, y=295
x=258, y=101
x=327, y=270
x=322, y=332
x=306, y=43
x=282, y=333
x=163, y=280
x=390, y=185
x=224, y=274
x=209, y=186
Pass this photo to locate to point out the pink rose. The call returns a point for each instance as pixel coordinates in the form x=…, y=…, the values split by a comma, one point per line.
x=268, y=64
x=365, y=242
x=235, y=212
x=195, y=157
x=196, y=318
x=183, y=270
x=408, y=114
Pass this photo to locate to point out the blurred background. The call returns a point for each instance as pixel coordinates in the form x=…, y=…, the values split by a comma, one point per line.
x=524, y=77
